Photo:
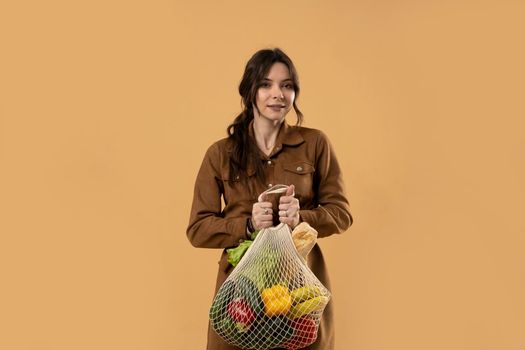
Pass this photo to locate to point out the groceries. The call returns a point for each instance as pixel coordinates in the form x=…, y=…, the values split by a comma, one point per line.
x=235, y=254
x=283, y=322
x=304, y=238
x=309, y=306
x=241, y=313
x=305, y=333
x=271, y=299
x=277, y=300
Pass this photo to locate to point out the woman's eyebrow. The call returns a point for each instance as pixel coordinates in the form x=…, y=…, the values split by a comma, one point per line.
x=266, y=79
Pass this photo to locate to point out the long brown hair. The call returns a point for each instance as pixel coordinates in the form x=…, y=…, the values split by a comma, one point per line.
x=244, y=151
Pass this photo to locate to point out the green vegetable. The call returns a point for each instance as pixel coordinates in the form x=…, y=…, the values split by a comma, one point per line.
x=270, y=269
x=221, y=300
x=254, y=234
x=248, y=290
x=271, y=332
x=227, y=329
x=265, y=271
x=235, y=254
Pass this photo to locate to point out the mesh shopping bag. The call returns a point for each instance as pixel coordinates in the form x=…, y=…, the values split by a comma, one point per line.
x=304, y=236
x=271, y=299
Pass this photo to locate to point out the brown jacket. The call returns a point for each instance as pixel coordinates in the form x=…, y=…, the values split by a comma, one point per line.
x=301, y=156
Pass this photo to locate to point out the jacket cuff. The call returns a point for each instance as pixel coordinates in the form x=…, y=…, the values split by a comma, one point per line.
x=237, y=227
x=306, y=216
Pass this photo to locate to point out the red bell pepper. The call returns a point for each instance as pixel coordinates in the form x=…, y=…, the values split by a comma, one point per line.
x=242, y=313
x=305, y=333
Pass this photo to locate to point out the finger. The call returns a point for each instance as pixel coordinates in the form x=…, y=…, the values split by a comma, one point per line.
x=264, y=205
x=266, y=224
x=290, y=190
x=289, y=207
x=262, y=208
x=292, y=207
x=285, y=220
x=263, y=223
x=288, y=217
x=266, y=217
x=289, y=220
x=294, y=203
x=286, y=199
x=287, y=214
x=265, y=212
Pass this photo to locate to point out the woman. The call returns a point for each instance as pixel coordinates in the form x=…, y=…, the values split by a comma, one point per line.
x=262, y=149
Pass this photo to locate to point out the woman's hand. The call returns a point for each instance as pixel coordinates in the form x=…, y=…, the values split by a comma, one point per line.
x=289, y=208
x=262, y=214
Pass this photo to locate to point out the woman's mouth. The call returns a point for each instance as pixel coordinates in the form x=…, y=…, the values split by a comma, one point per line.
x=276, y=108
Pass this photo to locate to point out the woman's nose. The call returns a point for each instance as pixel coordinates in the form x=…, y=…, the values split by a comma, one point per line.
x=278, y=93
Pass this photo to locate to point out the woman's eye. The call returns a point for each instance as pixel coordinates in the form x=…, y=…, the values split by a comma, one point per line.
x=288, y=86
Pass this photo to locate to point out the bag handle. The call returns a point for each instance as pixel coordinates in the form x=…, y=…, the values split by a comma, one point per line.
x=274, y=189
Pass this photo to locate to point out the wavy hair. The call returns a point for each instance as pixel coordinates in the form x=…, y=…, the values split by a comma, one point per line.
x=244, y=149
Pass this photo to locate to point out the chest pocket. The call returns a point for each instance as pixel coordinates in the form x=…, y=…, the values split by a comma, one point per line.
x=300, y=174
x=236, y=193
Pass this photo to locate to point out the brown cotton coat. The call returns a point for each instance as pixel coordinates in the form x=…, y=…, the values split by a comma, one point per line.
x=302, y=157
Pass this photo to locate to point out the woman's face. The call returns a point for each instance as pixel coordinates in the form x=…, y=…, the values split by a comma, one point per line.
x=276, y=94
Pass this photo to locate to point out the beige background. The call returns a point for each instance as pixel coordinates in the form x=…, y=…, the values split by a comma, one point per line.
x=107, y=107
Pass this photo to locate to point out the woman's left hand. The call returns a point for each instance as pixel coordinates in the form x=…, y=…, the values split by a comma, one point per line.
x=289, y=208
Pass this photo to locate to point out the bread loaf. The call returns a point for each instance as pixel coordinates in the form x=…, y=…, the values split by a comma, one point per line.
x=304, y=237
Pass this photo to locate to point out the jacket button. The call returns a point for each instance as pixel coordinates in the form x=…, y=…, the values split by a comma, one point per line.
x=270, y=185
x=299, y=168
x=269, y=162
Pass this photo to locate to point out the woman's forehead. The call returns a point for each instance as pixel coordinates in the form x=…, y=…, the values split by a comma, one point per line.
x=278, y=71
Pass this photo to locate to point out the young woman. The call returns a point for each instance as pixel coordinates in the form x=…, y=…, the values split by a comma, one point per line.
x=261, y=150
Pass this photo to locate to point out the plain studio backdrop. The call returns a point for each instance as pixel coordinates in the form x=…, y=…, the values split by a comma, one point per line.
x=107, y=108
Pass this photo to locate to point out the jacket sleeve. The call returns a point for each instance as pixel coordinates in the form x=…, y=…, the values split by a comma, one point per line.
x=333, y=212
x=207, y=227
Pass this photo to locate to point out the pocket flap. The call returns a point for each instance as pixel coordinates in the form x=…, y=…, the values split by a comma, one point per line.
x=299, y=167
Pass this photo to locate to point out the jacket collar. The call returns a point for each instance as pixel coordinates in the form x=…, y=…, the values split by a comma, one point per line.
x=287, y=136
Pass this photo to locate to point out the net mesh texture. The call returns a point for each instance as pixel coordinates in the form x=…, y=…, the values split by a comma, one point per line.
x=271, y=299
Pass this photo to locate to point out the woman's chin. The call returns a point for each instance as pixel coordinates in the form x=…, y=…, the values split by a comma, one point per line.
x=274, y=117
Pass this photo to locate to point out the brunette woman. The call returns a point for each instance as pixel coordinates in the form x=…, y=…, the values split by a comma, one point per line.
x=263, y=149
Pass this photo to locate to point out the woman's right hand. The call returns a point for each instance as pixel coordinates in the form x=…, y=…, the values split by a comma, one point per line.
x=262, y=214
